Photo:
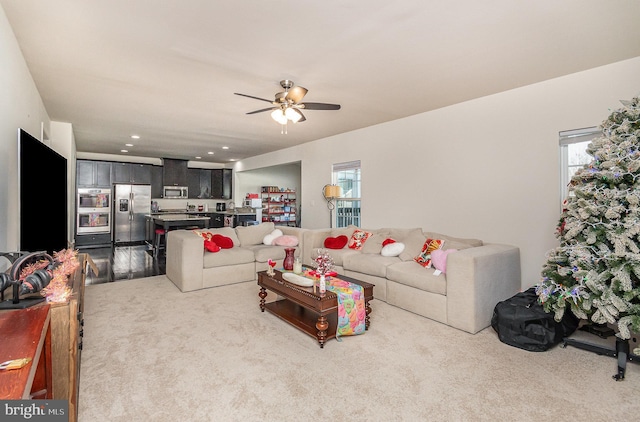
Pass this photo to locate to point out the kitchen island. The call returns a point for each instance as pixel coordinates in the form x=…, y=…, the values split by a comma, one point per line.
x=175, y=221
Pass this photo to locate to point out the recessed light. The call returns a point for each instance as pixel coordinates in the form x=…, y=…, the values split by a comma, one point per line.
x=225, y=147
x=210, y=152
x=197, y=158
x=123, y=150
x=233, y=159
x=135, y=136
x=128, y=145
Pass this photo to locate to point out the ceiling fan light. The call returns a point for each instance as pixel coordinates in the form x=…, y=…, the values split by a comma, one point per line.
x=278, y=116
x=293, y=114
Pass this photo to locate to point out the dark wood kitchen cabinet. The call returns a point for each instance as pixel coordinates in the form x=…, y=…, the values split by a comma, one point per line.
x=93, y=174
x=175, y=172
x=132, y=173
x=199, y=183
x=156, y=182
x=221, y=183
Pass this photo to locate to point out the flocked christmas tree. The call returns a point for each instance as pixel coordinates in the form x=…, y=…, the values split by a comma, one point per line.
x=596, y=269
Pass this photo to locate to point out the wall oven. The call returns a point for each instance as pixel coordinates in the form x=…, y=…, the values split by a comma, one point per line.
x=94, y=211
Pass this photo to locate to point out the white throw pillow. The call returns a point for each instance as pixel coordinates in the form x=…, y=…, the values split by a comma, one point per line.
x=268, y=239
x=392, y=249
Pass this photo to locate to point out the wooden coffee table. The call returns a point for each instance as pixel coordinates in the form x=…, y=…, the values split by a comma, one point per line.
x=312, y=313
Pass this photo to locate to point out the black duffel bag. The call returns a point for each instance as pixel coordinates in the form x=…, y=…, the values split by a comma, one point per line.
x=520, y=321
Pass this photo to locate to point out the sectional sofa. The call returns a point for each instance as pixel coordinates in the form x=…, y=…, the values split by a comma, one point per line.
x=476, y=277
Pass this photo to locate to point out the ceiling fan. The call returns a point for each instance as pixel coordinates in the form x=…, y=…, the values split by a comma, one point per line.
x=287, y=105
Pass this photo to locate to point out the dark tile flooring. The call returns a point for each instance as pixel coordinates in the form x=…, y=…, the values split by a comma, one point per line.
x=117, y=263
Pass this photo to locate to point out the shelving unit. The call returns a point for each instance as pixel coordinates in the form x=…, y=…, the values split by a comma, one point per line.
x=278, y=206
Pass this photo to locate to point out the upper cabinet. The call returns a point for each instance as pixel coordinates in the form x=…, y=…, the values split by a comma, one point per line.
x=175, y=172
x=132, y=173
x=221, y=183
x=199, y=183
x=156, y=182
x=93, y=174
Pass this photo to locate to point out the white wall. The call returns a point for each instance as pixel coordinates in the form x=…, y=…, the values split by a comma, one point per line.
x=64, y=142
x=20, y=107
x=283, y=176
x=487, y=168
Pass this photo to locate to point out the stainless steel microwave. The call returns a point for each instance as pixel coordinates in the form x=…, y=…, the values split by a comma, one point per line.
x=175, y=192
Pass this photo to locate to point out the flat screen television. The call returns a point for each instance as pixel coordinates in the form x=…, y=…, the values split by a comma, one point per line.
x=43, y=196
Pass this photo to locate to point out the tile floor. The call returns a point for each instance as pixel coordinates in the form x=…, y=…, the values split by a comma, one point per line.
x=117, y=263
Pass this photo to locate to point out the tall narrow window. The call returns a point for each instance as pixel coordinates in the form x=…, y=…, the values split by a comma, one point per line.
x=347, y=176
x=573, y=155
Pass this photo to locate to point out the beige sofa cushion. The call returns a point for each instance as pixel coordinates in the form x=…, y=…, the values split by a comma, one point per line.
x=338, y=254
x=371, y=264
x=347, y=231
x=455, y=242
x=373, y=245
x=264, y=253
x=413, y=243
x=225, y=257
x=412, y=274
x=254, y=235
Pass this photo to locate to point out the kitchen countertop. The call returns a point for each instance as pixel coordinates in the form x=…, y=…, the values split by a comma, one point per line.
x=183, y=212
x=177, y=217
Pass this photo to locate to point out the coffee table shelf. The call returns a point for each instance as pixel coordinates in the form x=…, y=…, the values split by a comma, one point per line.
x=302, y=318
x=310, y=312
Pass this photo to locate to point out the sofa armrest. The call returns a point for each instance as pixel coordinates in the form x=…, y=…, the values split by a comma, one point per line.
x=185, y=259
x=313, y=239
x=477, y=279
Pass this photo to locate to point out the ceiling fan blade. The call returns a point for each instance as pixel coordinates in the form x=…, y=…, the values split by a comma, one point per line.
x=296, y=94
x=302, y=119
x=251, y=96
x=320, y=106
x=261, y=110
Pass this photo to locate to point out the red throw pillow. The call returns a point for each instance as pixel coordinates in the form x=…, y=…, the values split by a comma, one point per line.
x=336, y=242
x=211, y=246
x=388, y=241
x=223, y=241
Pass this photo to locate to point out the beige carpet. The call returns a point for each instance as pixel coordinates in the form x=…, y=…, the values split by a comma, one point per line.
x=152, y=353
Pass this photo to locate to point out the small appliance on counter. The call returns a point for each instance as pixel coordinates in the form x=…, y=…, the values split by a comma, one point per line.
x=221, y=206
x=253, y=203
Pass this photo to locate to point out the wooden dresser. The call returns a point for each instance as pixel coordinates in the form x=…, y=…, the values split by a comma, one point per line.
x=65, y=339
x=26, y=333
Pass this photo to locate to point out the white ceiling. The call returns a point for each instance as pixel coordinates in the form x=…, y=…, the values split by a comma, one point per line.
x=167, y=71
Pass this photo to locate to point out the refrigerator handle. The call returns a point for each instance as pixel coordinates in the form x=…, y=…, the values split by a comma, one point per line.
x=131, y=196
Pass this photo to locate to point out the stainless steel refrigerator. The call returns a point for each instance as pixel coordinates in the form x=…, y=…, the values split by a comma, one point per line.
x=132, y=204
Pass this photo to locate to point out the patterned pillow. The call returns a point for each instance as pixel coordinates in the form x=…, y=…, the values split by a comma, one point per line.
x=358, y=238
x=430, y=245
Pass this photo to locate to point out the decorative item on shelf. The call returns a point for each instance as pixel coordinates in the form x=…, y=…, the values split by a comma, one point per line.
x=39, y=272
x=331, y=192
x=324, y=264
x=288, y=259
x=270, y=271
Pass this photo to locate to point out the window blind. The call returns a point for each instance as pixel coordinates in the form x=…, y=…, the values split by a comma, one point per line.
x=579, y=135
